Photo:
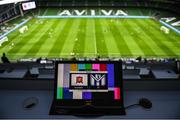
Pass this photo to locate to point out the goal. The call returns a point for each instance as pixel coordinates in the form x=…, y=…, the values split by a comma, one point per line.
x=165, y=29
x=3, y=40
x=23, y=29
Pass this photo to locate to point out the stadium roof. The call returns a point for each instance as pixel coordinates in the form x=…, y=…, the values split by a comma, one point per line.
x=2, y=2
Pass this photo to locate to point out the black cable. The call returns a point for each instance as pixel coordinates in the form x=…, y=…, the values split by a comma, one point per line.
x=143, y=102
x=133, y=105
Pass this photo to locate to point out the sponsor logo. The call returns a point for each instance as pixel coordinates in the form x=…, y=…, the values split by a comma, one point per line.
x=79, y=79
x=98, y=79
x=172, y=21
x=92, y=12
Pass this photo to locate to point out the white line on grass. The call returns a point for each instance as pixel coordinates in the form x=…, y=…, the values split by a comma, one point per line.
x=80, y=53
x=95, y=44
x=16, y=27
x=97, y=16
x=169, y=26
x=31, y=56
x=70, y=53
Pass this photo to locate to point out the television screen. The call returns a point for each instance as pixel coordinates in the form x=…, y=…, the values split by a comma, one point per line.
x=29, y=5
x=88, y=87
x=88, y=81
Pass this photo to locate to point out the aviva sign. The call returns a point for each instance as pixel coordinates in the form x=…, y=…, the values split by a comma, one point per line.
x=92, y=12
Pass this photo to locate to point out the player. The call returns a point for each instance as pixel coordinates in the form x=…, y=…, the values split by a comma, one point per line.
x=50, y=35
x=72, y=53
x=76, y=39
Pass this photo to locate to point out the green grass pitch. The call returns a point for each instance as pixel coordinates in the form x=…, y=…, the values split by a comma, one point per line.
x=89, y=37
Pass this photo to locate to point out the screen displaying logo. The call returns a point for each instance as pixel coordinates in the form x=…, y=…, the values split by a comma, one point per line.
x=98, y=79
x=79, y=80
x=88, y=80
x=28, y=5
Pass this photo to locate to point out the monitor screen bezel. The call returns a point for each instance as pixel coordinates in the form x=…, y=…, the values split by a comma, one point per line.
x=28, y=2
x=96, y=102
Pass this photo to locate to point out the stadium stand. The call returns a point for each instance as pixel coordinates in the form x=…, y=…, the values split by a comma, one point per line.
x=164, y=74
x=135, y=74
x=45, y=73
x=12, y=10
x=129, y=74
x=8, y=11
x=154, y=70
x=158, y=4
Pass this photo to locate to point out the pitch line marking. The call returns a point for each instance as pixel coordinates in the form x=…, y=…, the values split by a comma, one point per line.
x=169, y=26
x=97, y=16
x=94, y=38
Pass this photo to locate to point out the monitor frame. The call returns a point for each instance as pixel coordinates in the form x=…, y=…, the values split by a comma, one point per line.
x=99, y=104
x=28, y=2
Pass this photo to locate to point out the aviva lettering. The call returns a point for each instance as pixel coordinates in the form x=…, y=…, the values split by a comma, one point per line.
x=92, y=12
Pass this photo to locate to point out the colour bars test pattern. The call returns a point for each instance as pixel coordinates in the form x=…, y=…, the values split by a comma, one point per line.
x=87, y=81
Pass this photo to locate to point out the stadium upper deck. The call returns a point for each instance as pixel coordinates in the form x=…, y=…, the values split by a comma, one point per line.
x=12, y=10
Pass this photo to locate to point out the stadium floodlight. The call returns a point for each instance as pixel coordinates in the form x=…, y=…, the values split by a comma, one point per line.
x=2, y=2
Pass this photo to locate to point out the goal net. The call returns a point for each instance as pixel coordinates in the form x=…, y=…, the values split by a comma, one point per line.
x=23, y=29
x=165, y=29
x=4, y=39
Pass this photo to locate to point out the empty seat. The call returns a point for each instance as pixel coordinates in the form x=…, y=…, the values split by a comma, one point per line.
x=131, y=74
x=15, y=73
x=34, y=71
x=144, y=72
x=164, y=74
x=46, y=74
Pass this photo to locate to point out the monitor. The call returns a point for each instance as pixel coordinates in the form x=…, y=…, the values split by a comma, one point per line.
x=28, y=5
x=88, y=87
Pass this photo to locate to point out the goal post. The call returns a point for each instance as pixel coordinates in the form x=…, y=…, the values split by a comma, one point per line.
x=23, y=29
x=4, y=39
x=165, y=29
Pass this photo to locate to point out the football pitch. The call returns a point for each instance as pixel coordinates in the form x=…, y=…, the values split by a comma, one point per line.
x=91, y=37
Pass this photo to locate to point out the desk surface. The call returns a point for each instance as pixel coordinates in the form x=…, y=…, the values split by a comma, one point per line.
x=166, y=104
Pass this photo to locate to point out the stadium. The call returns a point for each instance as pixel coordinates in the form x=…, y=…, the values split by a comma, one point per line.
x=122, y=29
x=108, y=50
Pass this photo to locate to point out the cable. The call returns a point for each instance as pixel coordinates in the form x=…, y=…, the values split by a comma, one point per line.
x=143, y=102
x=133, y=105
